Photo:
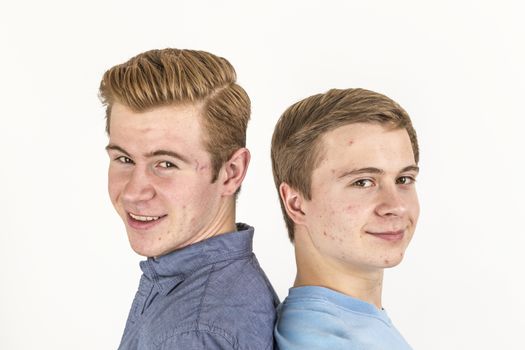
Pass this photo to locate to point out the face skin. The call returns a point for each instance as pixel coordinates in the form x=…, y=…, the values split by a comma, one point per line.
x=160, y=179
x=364, y=207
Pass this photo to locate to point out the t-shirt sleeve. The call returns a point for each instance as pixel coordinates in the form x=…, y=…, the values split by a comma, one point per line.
x=197, y=340
x=298, y=329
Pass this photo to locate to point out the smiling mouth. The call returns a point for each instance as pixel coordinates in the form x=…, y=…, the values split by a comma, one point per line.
x=389, y=235
x=144, y=218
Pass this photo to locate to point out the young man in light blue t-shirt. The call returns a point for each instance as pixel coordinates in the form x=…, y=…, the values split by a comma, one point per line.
x=345, y=164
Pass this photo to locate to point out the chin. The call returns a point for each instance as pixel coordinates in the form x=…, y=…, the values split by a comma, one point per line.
x=144, y=248
x=389, y=264
x=391, y=261
x=143, y=251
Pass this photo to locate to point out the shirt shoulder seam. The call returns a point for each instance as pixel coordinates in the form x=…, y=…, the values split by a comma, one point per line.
x=199, y=328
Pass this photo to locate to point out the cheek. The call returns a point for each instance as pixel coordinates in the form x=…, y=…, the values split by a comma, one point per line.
x=353, y=212
x=187, y=192
x=334, y=212
x=349, y=218
x=412, y=203
x=173, y=191
x=415, y=214
x=116, y=182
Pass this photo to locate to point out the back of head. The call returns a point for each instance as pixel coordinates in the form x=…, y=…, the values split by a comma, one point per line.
x=171, y=76
x=296, y=138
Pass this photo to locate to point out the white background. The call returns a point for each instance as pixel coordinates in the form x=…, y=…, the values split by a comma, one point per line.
x=68, y=275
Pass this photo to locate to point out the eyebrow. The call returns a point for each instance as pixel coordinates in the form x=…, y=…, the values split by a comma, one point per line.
x=160, y=152
x=172, y=154
x=371, y=170
x=112, y=147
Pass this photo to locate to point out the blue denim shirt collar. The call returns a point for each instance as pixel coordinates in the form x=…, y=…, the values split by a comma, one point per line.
x=167, y=271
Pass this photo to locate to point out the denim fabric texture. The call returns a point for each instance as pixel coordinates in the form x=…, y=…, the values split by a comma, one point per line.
x=209, y=295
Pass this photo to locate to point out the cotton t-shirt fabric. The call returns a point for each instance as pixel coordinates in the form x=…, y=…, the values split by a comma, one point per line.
x=315, y=317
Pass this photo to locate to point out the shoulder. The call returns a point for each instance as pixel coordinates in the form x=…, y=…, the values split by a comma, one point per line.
x=194, y=336
x=315, y=322
x=240, y=280
x=235, y=278
x=229, y=304
x=310, y=324
x=239, y=299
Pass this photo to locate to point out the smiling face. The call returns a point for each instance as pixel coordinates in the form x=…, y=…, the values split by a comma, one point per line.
x=160, y=179
x=364, y=207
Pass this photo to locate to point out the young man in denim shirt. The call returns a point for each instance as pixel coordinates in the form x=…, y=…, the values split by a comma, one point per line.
x=176, y=121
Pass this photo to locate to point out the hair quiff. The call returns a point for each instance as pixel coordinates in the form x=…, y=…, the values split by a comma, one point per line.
x=171, y=76
x=296, y=139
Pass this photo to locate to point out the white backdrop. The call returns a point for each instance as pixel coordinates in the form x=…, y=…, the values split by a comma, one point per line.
x=68, y=275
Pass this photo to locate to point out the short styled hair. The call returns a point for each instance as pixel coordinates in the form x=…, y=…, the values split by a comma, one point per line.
x=171, y=76
x=296, y=145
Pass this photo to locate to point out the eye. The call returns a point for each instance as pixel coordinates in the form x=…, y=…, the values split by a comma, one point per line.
x=405, y=180
x=167, y=165
x=363, y=183
x=124, y=160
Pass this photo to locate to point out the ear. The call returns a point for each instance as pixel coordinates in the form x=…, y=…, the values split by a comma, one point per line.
x=234, y=171
x=293, y=202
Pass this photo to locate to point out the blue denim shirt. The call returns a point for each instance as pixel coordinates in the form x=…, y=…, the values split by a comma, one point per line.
x=209, y=295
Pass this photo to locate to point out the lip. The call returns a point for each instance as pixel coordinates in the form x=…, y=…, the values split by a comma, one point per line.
x=143, y=225
x=390, y=236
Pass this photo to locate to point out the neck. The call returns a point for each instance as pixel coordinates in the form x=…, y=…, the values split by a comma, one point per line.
x=223, y=221
x=315, y=269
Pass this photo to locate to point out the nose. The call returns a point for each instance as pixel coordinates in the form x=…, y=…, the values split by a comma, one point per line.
x=391, y=203
x=139, y=187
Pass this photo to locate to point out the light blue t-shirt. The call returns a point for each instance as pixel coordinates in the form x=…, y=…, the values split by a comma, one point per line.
x=319, y=318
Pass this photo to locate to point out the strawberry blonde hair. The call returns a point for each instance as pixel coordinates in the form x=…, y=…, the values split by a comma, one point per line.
x=171, y=76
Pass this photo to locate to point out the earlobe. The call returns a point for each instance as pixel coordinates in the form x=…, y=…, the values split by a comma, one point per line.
x=235, y=170
x=293, y=203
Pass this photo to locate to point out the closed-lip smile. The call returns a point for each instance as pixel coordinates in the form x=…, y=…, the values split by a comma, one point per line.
x=389, y=235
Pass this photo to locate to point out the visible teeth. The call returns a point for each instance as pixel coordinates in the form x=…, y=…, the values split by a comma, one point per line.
x=143, y=218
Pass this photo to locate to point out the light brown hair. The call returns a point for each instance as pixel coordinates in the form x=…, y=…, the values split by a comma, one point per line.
x=171, y=76
x=296, y=139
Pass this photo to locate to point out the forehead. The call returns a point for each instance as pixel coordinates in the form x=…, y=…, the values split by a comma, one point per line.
x=365, y=144
x=161, y=126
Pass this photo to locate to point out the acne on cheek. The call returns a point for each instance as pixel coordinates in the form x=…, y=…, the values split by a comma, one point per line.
x=352, y=208
x=193, y=222
x=332, y=237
